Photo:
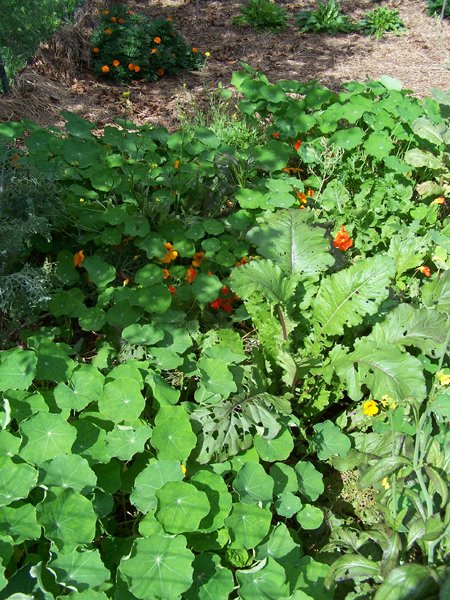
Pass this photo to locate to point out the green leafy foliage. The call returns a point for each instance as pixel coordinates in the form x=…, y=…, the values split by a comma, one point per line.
x=129, y=46
x=380, y=20
x=327, y=17
x=243, y=348
x=262, y=15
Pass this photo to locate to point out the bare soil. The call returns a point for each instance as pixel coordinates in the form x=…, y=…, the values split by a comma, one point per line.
x=59, y=79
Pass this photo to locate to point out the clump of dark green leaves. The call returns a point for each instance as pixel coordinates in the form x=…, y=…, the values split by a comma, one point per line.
x=434, y=8
x=381, y=20
x=327, y=17
x=129, y=46
x=264, y=15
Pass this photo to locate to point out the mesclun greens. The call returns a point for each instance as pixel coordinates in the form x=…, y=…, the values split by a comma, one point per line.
x=239, y=386
x=263, y=15
x=327, y=17
x=381, y=20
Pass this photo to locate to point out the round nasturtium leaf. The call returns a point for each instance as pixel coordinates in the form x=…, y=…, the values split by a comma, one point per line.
x=378, y=145
x=181, y=507
x=150, y=526
x=144, y=335
x=172, y=436
x=82, y=569
x=20, y=523
x=46, y=436
x=347, y=138
x=67, y=517
x=277, y=448
x=16, y=480
x=121, y=400
x=85, y=386
x=330, y=441
x=206, y=288
x=265, y=580
x=125, y=441
x=248, y=525
x=17, y=369
x=287, y=504
x=310, y=480
x=253, y=484
x=210, y=579
x=284, y=478
x=310, y=517
x=152, y=478
x=280, y=546
x=69, y=471
x=158, y=567
x=219, y=498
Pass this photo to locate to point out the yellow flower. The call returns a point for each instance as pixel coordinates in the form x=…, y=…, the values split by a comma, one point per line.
x=170, y=255
x=443, y=378
x=207, y=54
x=385, y=483
x=370, y=408
x=176, y=164
x=183, y=468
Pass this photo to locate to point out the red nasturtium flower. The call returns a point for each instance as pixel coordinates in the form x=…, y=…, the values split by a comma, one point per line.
x=298, y=144
x=172, y=289
x=342, y=240
x=198, y=258
x=191, y=274
x=276, y=135
x=78, y=258
x=225, y=300
x=425, y=270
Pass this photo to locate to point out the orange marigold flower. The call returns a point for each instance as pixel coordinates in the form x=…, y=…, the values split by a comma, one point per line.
x=172, y=289
x=108, y=31
x=115, y=63
x=78, y=258
x=160, y=72
x=176, y=164
x=439, y=200
x=114, y=19
x=298, y=144
x=198, y=258
x=166, y=273
x=195, y=50
x=425, y=270
x=154, y=50
x=302, y=197
x=121, y=21
x=96, y=50
x=131, y=67
x=105, y=69
x=105, y=12
x=157, y=40
x=169, y=19
x=137, y=68
x=191, y=274
x=342, y=240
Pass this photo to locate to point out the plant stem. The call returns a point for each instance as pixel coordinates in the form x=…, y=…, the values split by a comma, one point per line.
x=283, y=323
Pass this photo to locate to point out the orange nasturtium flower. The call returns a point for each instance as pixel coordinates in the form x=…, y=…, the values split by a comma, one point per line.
x=176, y=164
x=310, y=193
x=115, y=63
x=370, y=408
x=195, y=50
x=244, y=260
x=108, y=31
x=170, y=255
x=166, y=273
x=197, y=260
x=160, y=72
x=302, y=198
x=105, y=69
x=439, y=200
x=96, y=50
x=191, y=274
x=342, y=240
x=78, y=258
x=157, y=40
x=425, y=270
x=154, y=50
x=298, y=144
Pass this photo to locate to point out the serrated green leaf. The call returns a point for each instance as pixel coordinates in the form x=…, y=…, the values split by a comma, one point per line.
x=436, y=293
x=346, y=297
x=292, y=244
x=429, y=131
x=265, y=277
x=422, y=158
